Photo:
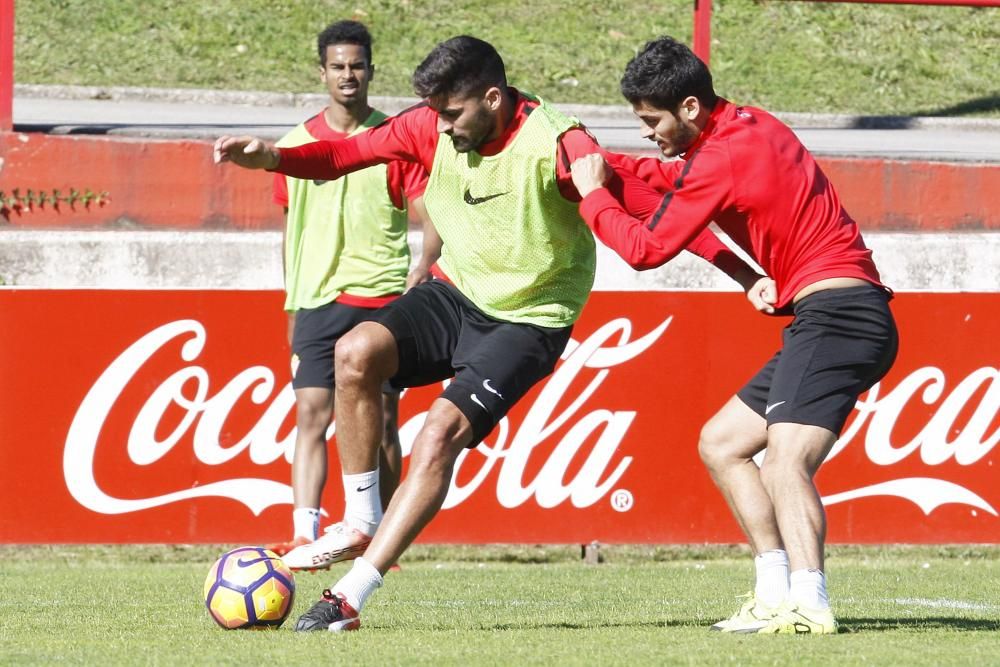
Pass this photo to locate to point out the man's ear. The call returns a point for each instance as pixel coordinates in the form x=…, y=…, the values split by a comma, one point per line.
x=690, y=107
x=493, y=98
x=371, y=72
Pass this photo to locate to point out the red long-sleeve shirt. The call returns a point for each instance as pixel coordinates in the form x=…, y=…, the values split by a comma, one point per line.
x=404, y=180
x=413, y=135
x=750, y=174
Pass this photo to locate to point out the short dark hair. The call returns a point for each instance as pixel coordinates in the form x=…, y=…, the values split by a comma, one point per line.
x=666, y=72
x=344, y=32
x=460, y=66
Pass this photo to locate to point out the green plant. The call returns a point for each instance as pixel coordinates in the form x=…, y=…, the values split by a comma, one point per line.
x=17, y=202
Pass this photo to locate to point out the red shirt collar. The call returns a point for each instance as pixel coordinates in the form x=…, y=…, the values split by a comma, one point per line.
x=321, y=130
x=722, y=106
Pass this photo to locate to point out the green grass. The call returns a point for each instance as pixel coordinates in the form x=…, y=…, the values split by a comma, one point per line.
x=504, y=606
x=783, y=55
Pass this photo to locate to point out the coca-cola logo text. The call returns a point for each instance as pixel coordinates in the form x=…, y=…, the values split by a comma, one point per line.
x=205, y=414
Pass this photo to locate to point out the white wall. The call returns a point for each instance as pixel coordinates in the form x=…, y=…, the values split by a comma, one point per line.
x=119, y=259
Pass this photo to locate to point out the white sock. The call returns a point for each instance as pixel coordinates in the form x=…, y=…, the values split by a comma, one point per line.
x=808, y=589
x=305, y=520
x=772, y=577
x=359, y=583
x=362, y=502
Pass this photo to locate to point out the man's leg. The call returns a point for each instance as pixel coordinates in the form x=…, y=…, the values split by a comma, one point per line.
x=445, y=433
x=728, y=443
x=364, y=358
x=794, y=454
x=499, y=362
x=390, y=460
x=311, y=334
x=362, y=367
x=314, y=409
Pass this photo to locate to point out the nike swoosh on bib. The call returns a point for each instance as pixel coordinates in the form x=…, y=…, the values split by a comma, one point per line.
x=469, y=199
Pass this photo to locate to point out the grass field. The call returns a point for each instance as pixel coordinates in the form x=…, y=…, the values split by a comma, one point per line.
x=783, y=55
x=502, y=606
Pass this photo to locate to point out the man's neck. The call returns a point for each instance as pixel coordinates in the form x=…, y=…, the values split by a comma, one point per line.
x=508, y=105
x=346, y=119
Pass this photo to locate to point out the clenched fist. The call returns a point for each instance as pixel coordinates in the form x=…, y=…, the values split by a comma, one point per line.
x=589, y=173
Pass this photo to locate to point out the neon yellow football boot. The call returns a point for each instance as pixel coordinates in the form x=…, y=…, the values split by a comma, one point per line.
x=791, y=619
x=751, y=617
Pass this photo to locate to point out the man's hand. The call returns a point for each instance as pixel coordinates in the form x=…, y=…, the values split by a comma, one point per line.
x=589, y=173
x=419, y=274
x=246, y=152
x=762, y=295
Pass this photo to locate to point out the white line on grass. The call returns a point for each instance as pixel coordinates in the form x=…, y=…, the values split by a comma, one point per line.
x=943, y=603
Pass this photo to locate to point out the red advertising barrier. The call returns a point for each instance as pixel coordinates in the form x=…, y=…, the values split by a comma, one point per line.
x=148, y=416
x=170, y=184
x=133, y=183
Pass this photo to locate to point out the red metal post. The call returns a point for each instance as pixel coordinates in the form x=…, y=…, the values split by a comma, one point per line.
x=702, y=33
x=6, y=65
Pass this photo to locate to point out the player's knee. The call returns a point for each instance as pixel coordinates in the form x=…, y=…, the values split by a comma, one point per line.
x=430, y=459
x=783, y=465
x=713, y=444
x=433, y=450
x=354, y=356
x=313, y=411
x=311, y=418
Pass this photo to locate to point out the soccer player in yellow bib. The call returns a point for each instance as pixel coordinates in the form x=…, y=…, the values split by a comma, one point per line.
x=345, y=255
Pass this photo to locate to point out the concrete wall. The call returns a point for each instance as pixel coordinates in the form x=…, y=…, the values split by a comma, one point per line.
x=940, y=262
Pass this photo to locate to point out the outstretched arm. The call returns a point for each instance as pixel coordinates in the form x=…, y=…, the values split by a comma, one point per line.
x=410, y=137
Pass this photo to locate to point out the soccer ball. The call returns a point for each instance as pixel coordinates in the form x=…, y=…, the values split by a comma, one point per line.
x=249, y=587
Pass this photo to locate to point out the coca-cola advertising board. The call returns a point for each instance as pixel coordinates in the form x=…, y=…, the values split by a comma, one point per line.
x=167, y=416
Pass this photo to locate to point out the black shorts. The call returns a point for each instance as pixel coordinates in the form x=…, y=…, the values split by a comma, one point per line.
x=441, y=334
x=840, y=343
x=316, y=333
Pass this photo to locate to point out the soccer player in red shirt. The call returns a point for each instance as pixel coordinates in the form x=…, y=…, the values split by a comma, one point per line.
x=747, y=172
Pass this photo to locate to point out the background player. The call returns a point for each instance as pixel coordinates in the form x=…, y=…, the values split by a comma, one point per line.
x=345, y=254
